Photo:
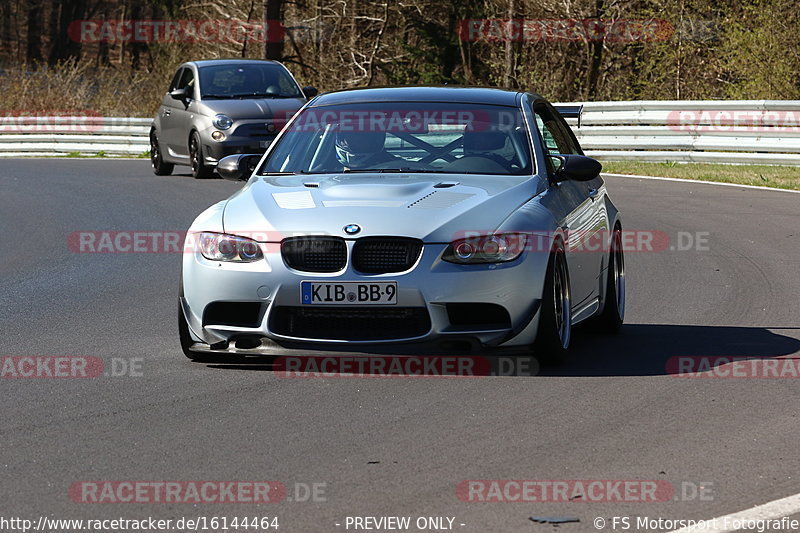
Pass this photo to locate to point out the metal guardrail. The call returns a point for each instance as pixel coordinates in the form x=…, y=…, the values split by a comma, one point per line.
x=73, y=134
x=718, y=131
x=708, y=131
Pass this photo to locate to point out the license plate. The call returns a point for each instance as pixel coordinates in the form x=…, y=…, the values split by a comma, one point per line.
x=349, y=293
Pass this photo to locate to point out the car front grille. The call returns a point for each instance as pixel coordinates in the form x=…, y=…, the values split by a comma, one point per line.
x=241, y=314
x=371, y=255
x=261, y=130
x=381, y=255
x=315, y=254
x=350, y=324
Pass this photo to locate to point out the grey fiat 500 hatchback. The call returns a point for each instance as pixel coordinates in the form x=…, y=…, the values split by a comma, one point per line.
x=221, y=107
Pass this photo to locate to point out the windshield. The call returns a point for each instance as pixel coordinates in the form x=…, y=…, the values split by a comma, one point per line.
x=247, y=81
x=399, y=137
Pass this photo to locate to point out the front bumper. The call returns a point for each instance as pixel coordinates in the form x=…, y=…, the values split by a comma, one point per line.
x=213, y=151
x=432, y=289
x=250, y=137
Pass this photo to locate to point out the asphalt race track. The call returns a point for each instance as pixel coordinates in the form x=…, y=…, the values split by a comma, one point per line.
x=392, y=446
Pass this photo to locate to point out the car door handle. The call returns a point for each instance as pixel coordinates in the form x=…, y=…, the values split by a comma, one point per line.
x=593, y=193
x=166, y=112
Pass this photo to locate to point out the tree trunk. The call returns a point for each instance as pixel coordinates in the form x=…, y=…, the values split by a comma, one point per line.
x=33, y=52
x=6, y=35
x=62, y=47
x=509, y=46
x=597, y=53
x=137, y=48
x=273, y=19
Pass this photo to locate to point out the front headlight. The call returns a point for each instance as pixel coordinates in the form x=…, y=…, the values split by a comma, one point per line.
x=486, y=249
x=222, y=247
x=222, y=122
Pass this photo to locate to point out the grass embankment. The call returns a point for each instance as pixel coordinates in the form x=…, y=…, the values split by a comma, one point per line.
x=779, y=177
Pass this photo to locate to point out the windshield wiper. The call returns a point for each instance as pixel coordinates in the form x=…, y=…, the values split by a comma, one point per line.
x=375, y=170
x=227, y=96
x=259, y=95
x=284, y=173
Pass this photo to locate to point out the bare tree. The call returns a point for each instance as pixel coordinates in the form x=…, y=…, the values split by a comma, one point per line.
x=273, y=19
x=33, y=53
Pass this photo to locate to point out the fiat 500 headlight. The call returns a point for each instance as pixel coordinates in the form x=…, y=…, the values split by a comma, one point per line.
x=222, y=122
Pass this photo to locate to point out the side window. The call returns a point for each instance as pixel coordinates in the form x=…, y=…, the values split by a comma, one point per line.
x=175, y=80
x=547, y=136
x=556, y=137
x=288, y=88
x=187, y=79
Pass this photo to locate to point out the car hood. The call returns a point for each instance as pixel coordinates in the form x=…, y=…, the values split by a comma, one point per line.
x=247, y=108
x=431, y=207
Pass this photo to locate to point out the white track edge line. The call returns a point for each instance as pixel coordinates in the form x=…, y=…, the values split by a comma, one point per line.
x=683, y=180
x=774, y=510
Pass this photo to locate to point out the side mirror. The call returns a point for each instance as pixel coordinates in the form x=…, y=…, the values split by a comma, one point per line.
x=575, y=167
x=238, y=167
x=310, y=91
x=181, y=94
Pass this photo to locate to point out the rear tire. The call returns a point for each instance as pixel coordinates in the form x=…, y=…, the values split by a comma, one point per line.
x=555, y=322
x=610, y=320
x=199, y=169
x=160, y=168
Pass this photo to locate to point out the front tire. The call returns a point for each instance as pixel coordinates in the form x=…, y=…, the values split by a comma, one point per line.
x=199, y=169
x=160, y=168
x=555, y=322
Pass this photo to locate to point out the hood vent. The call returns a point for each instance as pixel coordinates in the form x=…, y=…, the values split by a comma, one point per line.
x=439, y=200
x=294, y=200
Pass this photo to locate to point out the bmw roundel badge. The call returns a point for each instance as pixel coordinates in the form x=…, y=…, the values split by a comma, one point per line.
x=352, y=229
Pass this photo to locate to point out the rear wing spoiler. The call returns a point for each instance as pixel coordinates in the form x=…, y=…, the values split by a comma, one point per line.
x=570, y=111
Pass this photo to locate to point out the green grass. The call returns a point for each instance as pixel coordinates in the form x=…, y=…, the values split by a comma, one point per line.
x=101, y=153
x=779, y=177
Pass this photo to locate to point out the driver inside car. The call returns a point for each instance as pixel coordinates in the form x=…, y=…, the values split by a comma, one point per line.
x=362, y=150
x=486, y=144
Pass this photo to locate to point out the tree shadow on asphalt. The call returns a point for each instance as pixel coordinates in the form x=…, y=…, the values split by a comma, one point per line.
x=649, y=349
x=638, y=350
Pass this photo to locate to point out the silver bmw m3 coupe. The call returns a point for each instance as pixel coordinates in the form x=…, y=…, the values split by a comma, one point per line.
x=407, y=220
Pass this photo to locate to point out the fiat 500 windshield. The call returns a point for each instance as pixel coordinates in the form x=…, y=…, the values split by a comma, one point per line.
x=400, y=137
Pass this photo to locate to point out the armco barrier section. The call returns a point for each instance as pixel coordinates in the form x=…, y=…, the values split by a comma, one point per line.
x=73, y=134
x=710, y=131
